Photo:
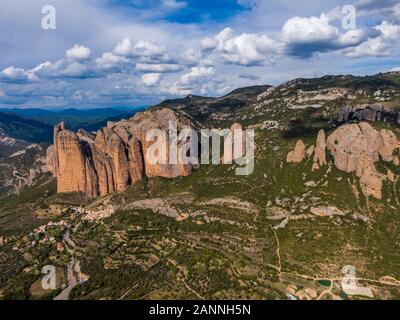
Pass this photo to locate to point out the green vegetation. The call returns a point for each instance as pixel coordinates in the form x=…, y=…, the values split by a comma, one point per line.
x=232, y=242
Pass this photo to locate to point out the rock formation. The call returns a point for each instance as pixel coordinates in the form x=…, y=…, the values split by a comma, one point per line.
x=310, y=151
x=298, y=154
x=355, y=148
x=116, y=157
x=320, y=147
x=367, y=112
x=234, y=150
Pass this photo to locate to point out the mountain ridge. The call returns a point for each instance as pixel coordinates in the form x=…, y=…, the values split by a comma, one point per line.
x=285, y=231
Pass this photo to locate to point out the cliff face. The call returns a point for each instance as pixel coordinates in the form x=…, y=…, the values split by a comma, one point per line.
x=115, y=158
x=355, y=148
x=367, y=112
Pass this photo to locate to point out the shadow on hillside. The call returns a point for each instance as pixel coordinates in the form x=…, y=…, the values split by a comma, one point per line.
x=307, y=126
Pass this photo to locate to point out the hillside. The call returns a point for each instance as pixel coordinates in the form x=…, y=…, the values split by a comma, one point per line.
x=206, y=109
x=22, y=128
x=284, y=232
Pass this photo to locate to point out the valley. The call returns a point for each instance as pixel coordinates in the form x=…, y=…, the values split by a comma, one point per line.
x=284, y=232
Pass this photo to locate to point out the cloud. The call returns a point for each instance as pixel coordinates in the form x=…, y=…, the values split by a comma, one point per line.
x=208, y=44
x=373, y=47
x=111, y=62
x=378, y=46
x=366, y=6
x=151, y=79
x=148, y=55
x=142, y=48
x=248, y=76
x=245, y=50
x=144, y=56
x=78, y=52
x=192, y=57
x=388, y=30
x=197, y=75
x=300, y=30
x=17, y=75
x=303, y=37
x=159, y=68
x=76, y=70
x=64, y=68
x=200, y=80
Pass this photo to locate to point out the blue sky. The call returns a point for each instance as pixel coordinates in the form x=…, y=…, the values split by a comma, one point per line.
x=191, y=11
x=138, y=52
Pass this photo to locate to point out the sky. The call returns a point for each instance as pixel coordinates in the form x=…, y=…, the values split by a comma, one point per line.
x=113, y=53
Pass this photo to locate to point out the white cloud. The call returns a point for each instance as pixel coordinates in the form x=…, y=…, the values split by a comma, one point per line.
x=303, y=37
x=76, y=70
x=17, y=75
x=373, y=47
x=196, y=75
x=78, y=52
x=158, y=68
x=351, y=38
x=130, y=71
x=149, y=48
x=388, y=30
x=142, y=48
x=110, y=61
x=208, y=44
x=250, y=50
x=199, y=79
x=192, y=57
x=124, y=47
x=64, y=68
x=379, y=46
x=308, y=30
x=246, y=49
x=151, y=79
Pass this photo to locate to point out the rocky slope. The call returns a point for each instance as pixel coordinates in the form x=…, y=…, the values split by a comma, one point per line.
x=113, y=159
x=21, y=164
x=285, y=231
x=355, y=148
x=206, y=109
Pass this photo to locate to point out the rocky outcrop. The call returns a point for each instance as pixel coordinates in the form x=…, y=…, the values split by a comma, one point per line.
x=233, y=151
x=356, y=148
x=116, y=157
x=51, y=160
x=327, y=211
x=310, y=151
x=320, y=148
x=298, y=154
x=367, y=112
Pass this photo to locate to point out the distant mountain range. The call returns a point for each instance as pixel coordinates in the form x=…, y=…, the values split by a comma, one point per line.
x=15, y=126
x=324, y=193
x=36, y=125
x=204, y=108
